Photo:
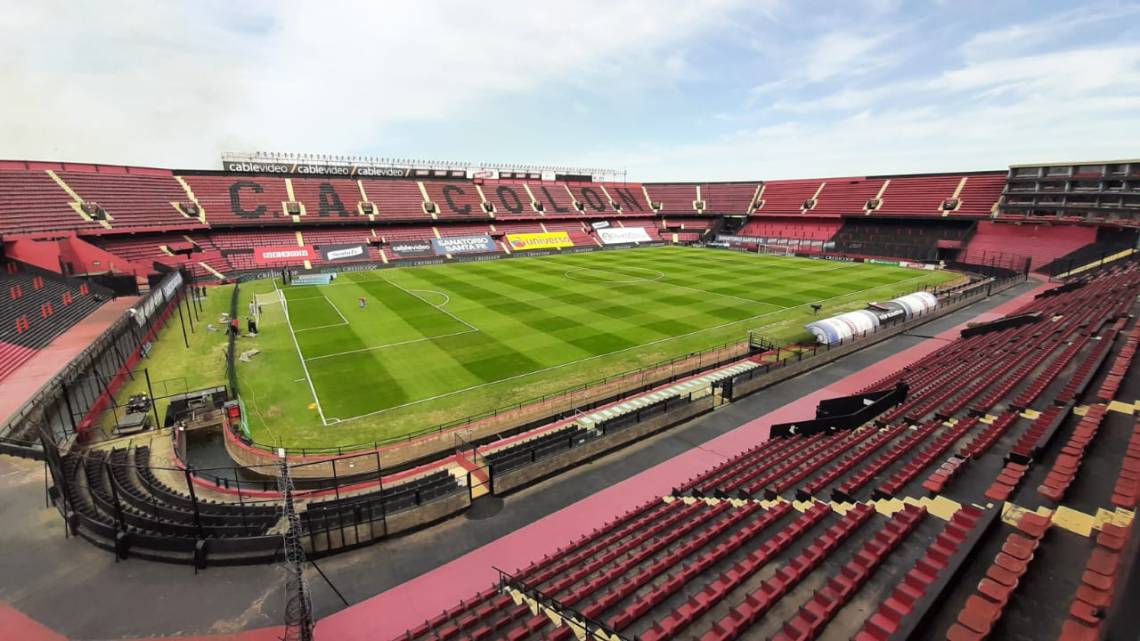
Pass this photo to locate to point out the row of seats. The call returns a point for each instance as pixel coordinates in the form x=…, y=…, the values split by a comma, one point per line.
x=120, y=502
x=117, y=198
x=1043, y=244
x=942, y=554
x=533, y=449
x=1126, y=490
x=1064, y=470
x=1099, y=583
x=39, y=306
x=229, y=200
x=679, y=568
x=708, y=198
x=982, y=610
x=970, y=195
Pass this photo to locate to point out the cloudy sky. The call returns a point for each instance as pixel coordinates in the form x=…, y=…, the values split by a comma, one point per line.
x=717, y=89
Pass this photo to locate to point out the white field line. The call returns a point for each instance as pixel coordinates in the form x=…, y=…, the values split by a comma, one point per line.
x=625, y=349
x=386, y=346
x=342, y=323
x=411, y=292
x=739, y=298
x=446, y=298
x=301, y=357
x=335, y=308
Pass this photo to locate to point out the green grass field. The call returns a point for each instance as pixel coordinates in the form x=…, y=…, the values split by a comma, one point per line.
x=443, y=342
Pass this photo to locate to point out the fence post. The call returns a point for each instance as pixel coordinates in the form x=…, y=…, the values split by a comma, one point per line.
x=193, y=500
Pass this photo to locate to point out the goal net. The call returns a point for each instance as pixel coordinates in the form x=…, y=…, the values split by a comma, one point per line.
x=779, y=250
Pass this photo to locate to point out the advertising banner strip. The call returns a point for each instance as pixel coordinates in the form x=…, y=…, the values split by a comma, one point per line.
x=264, y=255
x=623, y=235
x=411, y=248
x=344, y=252
x=543, y=240
x=601, y=224
x=463, y=244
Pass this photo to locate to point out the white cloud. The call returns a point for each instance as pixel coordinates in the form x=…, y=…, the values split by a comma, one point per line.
x=1016, y=39
x=163, y=83
x=1076, y=104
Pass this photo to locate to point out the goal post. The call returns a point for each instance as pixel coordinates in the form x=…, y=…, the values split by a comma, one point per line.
x=777, y=250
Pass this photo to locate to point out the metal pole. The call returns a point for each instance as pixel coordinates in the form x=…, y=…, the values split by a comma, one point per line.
x=189, y=316
x=70, y=411
x=182, y=321
x=153, y=402
x=193, y=500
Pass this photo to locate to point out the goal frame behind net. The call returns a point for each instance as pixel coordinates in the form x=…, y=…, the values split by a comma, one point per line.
x=776, y=250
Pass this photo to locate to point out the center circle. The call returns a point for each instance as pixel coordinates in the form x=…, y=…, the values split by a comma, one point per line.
x=596, y=275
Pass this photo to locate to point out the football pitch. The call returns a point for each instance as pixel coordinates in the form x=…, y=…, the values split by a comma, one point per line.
x=441, y=342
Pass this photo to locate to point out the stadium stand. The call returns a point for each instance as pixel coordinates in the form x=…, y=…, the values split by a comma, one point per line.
x=917, y=195
x=846, y=196
x=629, y=198
x=134, y=201
x=783, y=197
x=980, y=194
x=455, y=199
x=748, y=548
x=729, y=198
x=234, y=200
x=674, y=199
x=553, y=198
x=509, y=198
x=902, y=238
x=329, y=199
x=38, y=306
x=30, y=201
x=590, y=200
x=1109, y=241
x=791, y=228
x=1043, y=244
x=124, y=505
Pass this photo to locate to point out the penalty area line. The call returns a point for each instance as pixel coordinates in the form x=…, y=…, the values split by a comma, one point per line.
x=412, y=292
x=387, y=345
x=301, y=357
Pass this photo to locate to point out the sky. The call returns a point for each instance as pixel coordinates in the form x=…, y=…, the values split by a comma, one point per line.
x=662, y=89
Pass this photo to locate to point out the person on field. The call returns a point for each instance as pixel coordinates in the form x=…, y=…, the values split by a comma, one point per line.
x=363, y=303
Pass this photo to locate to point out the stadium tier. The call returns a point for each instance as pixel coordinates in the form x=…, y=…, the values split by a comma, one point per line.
x=37, y=307
x=316, y=363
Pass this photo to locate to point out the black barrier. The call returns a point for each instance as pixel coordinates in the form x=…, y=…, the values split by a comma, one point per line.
x=1056, y=291
x=70, y=401
x=119, y=499
x=1007, y=322
x=574, y=436
x=231, y=345
x=844, y=412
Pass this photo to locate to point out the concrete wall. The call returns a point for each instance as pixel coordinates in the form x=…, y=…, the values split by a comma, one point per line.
x=428, y=513
x=335, y=539
x=514, y=479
